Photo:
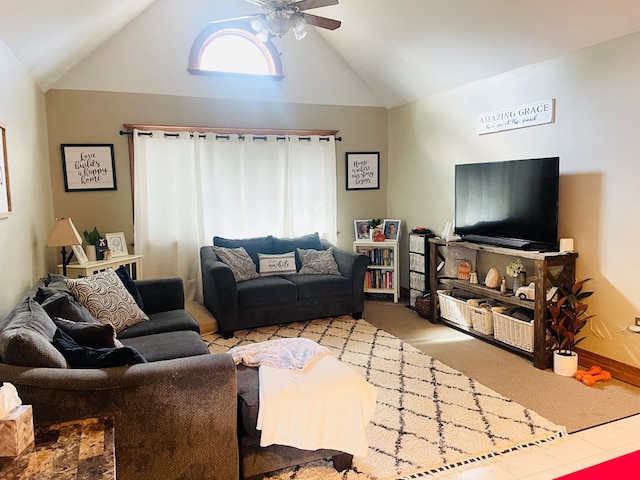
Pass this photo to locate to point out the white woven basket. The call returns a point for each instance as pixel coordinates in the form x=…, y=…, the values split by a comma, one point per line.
x=453, y=309
x=481, y=319
x=512, y=331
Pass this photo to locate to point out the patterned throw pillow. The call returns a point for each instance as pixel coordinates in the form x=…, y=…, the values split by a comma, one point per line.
x=239, y=261
x=316, y=262
x=277, y=264
x=107, y=299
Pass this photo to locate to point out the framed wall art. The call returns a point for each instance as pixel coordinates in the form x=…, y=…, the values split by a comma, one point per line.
x=88, y=167
x=117, y=244
x=5, y=191
x=362, y=170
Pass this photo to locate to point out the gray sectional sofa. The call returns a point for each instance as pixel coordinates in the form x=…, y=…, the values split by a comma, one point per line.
x=175, y=415
x=277, y=299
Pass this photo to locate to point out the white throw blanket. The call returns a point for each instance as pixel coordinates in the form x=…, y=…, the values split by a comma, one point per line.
x=327, y=406
x=292, y=353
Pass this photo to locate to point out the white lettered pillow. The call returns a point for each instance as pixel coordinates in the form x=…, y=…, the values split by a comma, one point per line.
x=107, y=299
x=277, y=264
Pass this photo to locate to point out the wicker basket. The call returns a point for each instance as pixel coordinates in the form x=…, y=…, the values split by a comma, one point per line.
x=423, y=305
x=512, y=331
x=481, y=318
x=453, y=309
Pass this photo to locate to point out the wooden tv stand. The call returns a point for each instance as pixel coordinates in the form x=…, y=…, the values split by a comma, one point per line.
x=552, y=269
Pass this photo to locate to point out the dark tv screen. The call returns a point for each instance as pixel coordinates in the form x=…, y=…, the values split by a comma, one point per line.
x=517, y=200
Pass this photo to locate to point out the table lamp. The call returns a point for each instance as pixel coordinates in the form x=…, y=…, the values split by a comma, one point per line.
x=64, y=233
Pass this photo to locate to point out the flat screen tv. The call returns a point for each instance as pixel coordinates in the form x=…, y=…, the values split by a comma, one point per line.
x=510, y=203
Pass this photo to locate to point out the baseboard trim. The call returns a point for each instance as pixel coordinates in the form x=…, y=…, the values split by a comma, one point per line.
x=619, y=370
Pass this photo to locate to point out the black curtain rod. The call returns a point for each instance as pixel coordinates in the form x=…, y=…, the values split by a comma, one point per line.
x=227, y=137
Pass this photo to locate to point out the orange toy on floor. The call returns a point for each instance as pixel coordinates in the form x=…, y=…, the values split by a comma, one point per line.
x=580, y=374
x=589, y=380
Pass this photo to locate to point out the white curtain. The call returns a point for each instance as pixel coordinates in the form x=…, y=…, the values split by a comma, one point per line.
x=191, y=187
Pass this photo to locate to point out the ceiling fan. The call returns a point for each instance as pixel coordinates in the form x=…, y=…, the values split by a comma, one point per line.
x=283, y=15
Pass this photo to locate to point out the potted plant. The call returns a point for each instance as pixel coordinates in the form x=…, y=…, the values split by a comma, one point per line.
x=91, y=238
x=568, y=316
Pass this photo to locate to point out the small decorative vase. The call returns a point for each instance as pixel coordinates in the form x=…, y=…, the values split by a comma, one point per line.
x=91, y=252
x=565, y=365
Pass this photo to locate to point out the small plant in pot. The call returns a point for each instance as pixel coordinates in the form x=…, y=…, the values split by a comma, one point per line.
x=91, y=238
x=375, y=228
x=568, y=316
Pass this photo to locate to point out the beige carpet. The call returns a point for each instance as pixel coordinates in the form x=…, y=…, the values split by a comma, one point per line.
x=428, y=416
x=562, y=400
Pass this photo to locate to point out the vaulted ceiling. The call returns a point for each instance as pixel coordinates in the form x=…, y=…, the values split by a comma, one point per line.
x=400, y=50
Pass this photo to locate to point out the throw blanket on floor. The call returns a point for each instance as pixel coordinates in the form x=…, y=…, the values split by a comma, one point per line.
x=328, y=406
x=292, y=353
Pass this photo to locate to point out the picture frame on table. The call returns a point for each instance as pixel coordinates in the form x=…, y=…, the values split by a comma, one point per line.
x=80, y=254
x=362, y=170
x=117, y=244
x=88, y=167
x=361, y=229
x=391, y=228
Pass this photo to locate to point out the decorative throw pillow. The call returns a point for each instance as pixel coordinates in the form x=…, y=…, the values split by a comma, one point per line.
x=239, y=261
x=104, y=295
x=88, y=334
x=60, y=303
x=315, y=262
x=130, y=285
x=278, y=264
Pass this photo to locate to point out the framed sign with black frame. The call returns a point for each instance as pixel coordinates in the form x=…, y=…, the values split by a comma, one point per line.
x=363, y=170
x=88, y=167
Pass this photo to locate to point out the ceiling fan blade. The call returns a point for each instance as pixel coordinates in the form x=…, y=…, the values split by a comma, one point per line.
x=245, y=17
x=261, y=3
x=309, y=4
x=321, y=22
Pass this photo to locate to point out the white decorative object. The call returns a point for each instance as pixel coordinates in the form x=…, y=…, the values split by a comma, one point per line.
x=566, y=244
x=538, y=113
x=565, y=365
x=117, y=244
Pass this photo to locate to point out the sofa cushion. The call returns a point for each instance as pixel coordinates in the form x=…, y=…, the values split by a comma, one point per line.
x=61, y=304
x=277, y=263
x=266, y=291
x=319, y=286
x=93, y=335
x=104, y=295
x=26, y=335
x=308, y=242
x=168, y=345
x=253, y=246
x=318, y=262
x=80, y=356
x=248, y=399
x=169, y=321
x=239, y=261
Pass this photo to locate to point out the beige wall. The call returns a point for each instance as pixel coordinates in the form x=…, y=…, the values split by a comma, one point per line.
x=97, y=117
x=596, y=137
x=24, y=234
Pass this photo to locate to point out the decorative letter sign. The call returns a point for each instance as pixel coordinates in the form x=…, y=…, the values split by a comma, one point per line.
x=518, y=117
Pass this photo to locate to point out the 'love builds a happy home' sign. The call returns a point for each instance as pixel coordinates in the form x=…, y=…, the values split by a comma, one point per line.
x=88, y=167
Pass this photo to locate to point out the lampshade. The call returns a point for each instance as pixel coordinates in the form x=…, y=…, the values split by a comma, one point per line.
x=64, y=233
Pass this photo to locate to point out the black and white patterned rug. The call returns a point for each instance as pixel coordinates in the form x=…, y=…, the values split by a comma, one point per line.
x=429, y=417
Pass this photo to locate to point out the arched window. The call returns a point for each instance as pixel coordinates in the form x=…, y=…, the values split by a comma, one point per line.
x=231, y=48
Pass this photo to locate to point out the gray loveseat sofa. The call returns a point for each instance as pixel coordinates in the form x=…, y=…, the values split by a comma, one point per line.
x=277, y=299
x=175, y=416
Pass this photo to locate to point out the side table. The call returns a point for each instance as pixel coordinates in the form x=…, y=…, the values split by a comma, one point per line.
x=133, y=263
x=76, y=449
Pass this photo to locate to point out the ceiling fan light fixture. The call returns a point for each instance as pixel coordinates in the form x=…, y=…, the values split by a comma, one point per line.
x=278, y=23
x=299, y=26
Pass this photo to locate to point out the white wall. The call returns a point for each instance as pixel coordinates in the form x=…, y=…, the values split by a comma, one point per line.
x=23, y=235
x=596, y=135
